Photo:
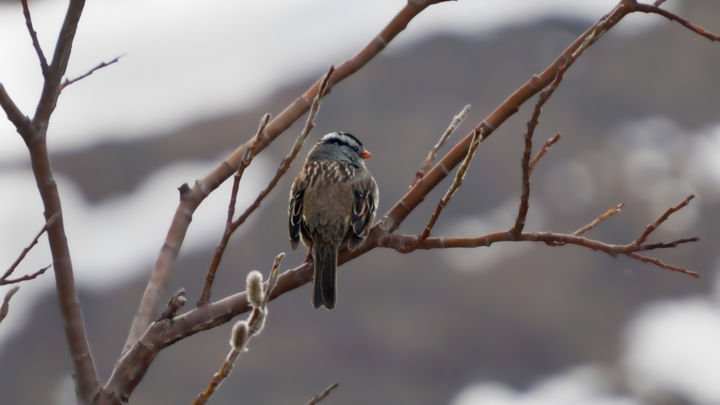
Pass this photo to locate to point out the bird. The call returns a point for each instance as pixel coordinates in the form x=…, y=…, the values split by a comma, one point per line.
x=332, y=206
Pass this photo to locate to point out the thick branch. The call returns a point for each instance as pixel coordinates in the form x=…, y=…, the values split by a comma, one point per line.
x=86, y=379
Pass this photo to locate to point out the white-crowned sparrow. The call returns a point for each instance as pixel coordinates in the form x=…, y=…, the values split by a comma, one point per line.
x=332, y=205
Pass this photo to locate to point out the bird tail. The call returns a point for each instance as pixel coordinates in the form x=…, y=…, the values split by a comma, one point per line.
x=324, y=287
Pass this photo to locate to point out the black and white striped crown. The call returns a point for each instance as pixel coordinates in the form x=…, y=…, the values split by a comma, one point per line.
x=343, y=138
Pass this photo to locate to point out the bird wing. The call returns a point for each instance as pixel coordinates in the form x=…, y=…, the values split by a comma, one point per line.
x=363, y=212
x=297, y=191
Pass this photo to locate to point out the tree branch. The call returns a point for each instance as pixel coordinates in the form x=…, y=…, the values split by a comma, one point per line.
x=525, y=161
x=21, y=121
x=34, y=134
x=550, y=142
x=287, y=160
x=149, y=341
x=595, y=222
x=443, y=138
x=232, y=226
x=192, y=197
x=650, y=228
x=397, y=214
x=132, y=366
x=9, y=271
x=34, y=38
x=220, y=249
x=459, y=176
x=654, y=9
x=26, y=277
x=400, y=241
x=56, y=70
x=101, y=65
x=319, y=397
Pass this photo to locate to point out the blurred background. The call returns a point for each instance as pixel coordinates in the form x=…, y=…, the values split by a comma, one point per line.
x=510, y=324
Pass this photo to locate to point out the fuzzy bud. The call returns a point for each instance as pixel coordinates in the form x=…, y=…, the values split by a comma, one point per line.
x=254, y=288
x=239, y=335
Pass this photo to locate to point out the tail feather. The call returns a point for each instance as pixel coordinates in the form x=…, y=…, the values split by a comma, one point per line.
x=324, y=287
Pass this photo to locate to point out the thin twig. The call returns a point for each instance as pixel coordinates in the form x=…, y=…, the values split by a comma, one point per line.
x=600, y=29
x=457, y=120
x=550, y=142
x=272, y=279
x=650, y=228
x=459, y=177
x=225, y=369
x=647, y=8
x=68, y=82
x=319, y=397
x=287, y=160
x=243, y=332
x=34, y=38
x=525, y=161
x=174, y=304
x=220, y=249
x=658, y=3
x=25, y=277
x=6, y=302
x=400, y=242
x=25, y=251
x=660, y=263
x=607, y=214
x=666, y=245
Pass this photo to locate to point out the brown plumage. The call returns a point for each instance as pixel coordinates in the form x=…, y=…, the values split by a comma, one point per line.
x=332, y=206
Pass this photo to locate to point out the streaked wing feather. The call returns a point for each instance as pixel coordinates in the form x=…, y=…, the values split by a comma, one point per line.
x=295, y=210
x=363, y=211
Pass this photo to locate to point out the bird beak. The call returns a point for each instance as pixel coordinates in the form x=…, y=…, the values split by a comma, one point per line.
x=365, y=154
